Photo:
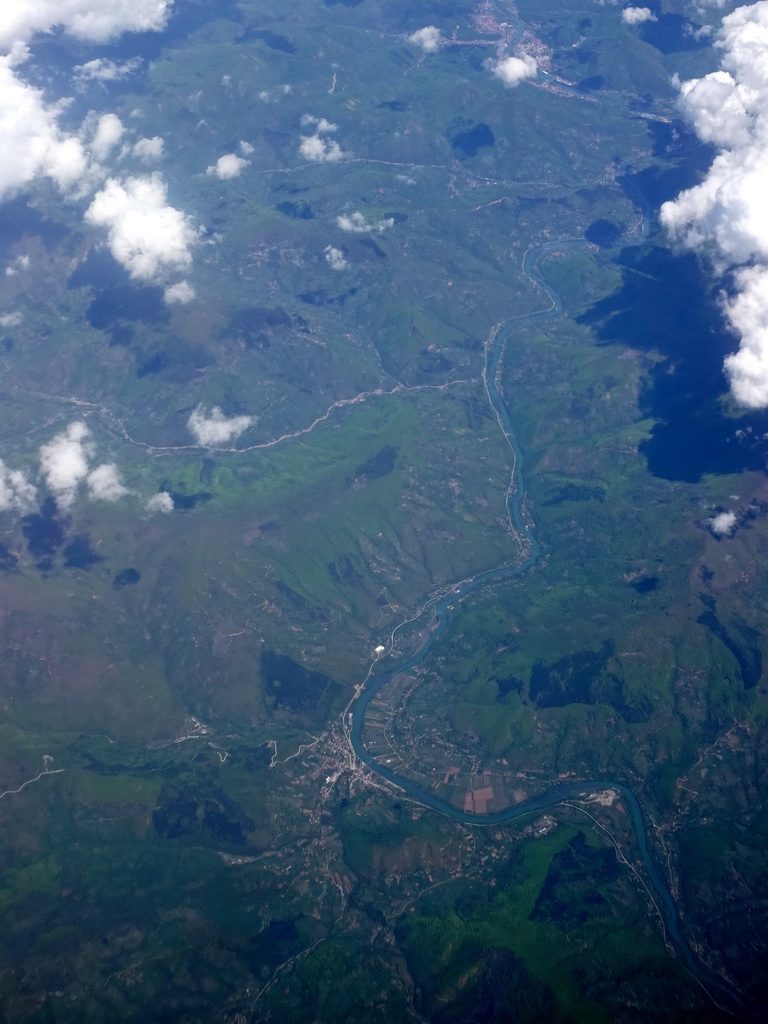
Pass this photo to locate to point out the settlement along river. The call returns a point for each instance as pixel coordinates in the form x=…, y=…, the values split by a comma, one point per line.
x=722, y=994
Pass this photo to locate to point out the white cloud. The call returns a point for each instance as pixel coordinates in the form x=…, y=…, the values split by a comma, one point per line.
x=104, y=70
x=91, y=20
x=67, y=165
x=65, y=465
x=229, y=166
x=64, y=462
x=637, y=15
x=16, y=492
x=10, y=319
x=33, y=143
x=717, y=107
x=702, y=32
x=747, y=313
x=317, y=149
x=428, y=38
x=160, y=502
x=513, y=70
x=215, y=429
x=148, y=150
x=104, y=483
x=335, y=258
x=357, y=224
x=246, y=148
x=723, y=524
x=273, y=95
x=19, y=264
x=725, y=217
x=148, y=237
x=321, y=125
x=181, y=293
x=109, y=131
x=727, y=214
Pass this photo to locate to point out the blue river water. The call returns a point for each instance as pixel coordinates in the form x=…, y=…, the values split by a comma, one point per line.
x=721, y=993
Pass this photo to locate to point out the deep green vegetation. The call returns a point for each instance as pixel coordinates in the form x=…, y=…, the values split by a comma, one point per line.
x=206, y=850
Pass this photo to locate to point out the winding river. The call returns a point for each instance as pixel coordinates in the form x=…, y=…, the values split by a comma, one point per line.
x=721, y=993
